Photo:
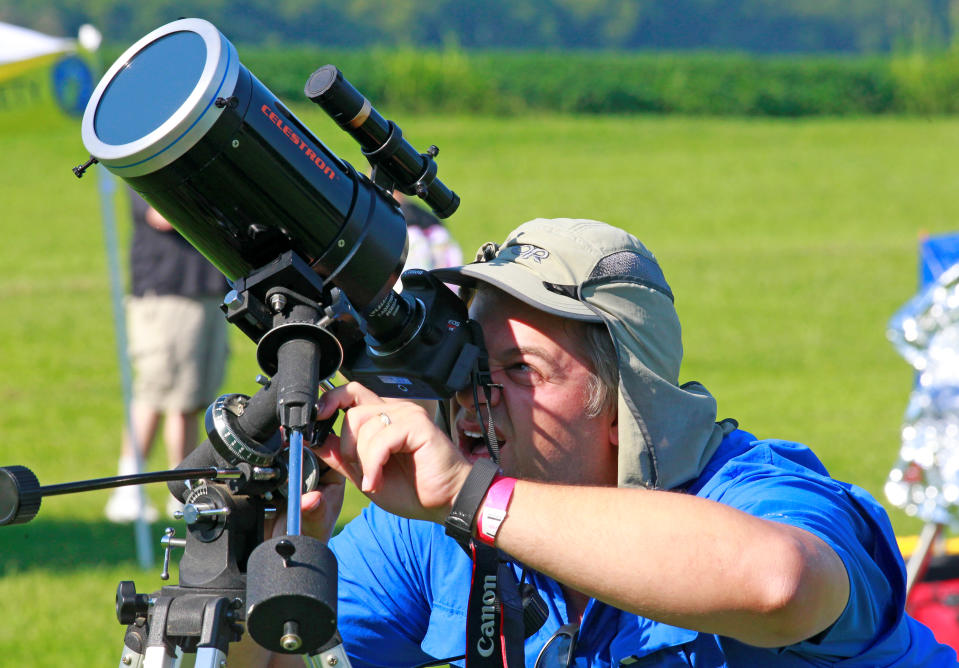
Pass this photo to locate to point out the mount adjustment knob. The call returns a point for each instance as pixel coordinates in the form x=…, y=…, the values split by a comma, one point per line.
x=130, y=604
x=19, y=495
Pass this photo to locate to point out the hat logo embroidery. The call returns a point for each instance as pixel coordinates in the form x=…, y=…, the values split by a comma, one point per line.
x=530, y=252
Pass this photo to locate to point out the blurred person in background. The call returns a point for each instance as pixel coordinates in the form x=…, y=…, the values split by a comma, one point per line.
x=430, y=244
x=177, y=347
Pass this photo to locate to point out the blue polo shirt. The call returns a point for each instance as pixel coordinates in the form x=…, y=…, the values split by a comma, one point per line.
x=404, y=584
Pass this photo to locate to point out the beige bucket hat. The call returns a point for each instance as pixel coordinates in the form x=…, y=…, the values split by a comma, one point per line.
x=591, y=271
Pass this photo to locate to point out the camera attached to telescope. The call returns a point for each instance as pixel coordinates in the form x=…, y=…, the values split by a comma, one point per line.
x=312, y=249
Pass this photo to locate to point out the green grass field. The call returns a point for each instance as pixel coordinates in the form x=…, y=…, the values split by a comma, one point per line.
x=789, y=244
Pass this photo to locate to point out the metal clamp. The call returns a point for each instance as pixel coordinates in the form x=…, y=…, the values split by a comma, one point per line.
x=168, y=542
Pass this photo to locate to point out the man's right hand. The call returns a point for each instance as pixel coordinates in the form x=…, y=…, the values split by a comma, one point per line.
x=393, y=452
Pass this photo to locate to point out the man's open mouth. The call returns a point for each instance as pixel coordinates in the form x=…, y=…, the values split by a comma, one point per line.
x=473, y=444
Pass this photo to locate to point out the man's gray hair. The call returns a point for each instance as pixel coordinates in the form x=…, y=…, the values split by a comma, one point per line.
x=603, y=383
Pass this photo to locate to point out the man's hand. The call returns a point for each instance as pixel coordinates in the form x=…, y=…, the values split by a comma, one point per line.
x=157, y=221
x=393, y=452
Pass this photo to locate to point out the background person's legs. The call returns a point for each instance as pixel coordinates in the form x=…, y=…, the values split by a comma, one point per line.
x=125, y=504
x=180, y=431
x=178, y=349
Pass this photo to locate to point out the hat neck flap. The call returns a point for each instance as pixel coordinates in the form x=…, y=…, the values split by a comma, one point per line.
x=667, y=432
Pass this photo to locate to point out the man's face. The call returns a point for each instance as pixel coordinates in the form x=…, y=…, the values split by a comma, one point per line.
x=540, y=412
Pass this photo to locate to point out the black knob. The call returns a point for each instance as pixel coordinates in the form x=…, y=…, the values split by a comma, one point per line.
x=130, y=604
x=285, y=549
x=19, y=495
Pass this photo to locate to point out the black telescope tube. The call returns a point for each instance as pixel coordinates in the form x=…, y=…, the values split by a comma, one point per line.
x=241, y=178
x=382, y=140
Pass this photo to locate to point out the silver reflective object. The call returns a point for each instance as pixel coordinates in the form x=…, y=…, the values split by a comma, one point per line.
x=925, y=480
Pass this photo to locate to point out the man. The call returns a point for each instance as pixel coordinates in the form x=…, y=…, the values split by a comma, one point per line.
x=665, y=537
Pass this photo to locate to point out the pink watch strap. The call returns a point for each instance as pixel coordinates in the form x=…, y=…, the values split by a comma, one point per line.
x=493, y=511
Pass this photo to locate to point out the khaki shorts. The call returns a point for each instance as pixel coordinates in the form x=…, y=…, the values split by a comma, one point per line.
x=178, y=349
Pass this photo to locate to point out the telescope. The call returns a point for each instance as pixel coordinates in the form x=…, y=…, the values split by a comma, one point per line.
x=186, y=125
x=312, y=248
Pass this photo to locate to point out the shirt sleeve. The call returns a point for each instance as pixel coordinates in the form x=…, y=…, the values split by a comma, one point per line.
x=774, y=486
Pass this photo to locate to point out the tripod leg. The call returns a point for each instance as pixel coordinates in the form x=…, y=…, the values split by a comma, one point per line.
x=331, y=654
x=134, y=646
x=138, y=654
x=210, y=656
x=158, y=657
x=215, y=634
x=160, y=652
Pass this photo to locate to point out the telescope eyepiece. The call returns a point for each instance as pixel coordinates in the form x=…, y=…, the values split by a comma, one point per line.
x=345, y=105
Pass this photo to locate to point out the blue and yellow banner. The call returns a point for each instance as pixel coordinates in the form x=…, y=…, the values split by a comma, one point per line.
x=30, y=78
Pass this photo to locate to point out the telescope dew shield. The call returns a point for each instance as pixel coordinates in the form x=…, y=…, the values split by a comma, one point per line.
x=186, y=125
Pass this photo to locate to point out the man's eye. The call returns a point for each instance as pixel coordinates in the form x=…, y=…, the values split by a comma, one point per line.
x=521, y=373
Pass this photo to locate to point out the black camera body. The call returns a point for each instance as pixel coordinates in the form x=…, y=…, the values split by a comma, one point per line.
x=434, y=359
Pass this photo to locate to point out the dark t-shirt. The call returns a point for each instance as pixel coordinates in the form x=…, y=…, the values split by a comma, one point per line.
x=164, y=263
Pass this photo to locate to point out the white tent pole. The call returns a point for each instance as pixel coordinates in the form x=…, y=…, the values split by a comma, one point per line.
x=90, y=38
x=107, y=189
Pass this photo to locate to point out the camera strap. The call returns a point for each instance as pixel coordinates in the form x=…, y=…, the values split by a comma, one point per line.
x=480, y=376
x=495, y=630
x=500, y=614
